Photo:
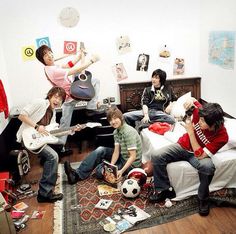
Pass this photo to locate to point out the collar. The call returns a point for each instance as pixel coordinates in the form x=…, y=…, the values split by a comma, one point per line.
x=153, y=88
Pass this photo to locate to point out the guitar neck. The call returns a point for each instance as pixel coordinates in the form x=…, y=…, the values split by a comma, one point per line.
x=65, y=131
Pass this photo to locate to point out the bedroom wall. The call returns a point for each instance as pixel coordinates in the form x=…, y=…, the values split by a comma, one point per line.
x=150, y=25
x=218, y=84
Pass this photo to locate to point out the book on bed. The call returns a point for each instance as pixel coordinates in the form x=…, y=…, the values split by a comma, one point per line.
x=110, y=174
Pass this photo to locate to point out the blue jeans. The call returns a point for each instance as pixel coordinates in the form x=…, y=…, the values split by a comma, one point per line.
x=174, y=153
x=154, y=116
x=67, y=111
x=95, y=160
x=49, y=175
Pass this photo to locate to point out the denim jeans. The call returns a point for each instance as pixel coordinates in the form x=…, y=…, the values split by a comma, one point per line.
x=174, y=153
x=95, y=161
x=154, y=116
x=49, y=175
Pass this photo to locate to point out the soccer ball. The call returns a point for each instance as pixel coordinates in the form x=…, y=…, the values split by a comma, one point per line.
x=130, y=188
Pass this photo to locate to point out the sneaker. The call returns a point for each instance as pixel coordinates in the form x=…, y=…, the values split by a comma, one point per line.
x=53, y=198
x=161, y=196
x=72, y=176
x=204, y=207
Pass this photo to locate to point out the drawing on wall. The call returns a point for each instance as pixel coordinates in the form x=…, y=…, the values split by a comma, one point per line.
x=70, y=47
x=178, y=66
x=123, y=44
x=221, y=49
x=43, y=41
x=119, y=72
x=28, y=52
x=142, y=63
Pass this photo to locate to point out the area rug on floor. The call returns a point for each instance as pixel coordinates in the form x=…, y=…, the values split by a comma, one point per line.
x=77, y=212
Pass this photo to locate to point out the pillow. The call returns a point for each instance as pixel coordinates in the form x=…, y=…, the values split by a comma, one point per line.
x=178, y=110
x=230, y=125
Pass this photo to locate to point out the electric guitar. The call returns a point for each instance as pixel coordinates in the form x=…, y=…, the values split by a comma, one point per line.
x=35, y=141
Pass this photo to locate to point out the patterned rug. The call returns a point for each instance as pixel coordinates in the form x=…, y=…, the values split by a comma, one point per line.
x=77, y=212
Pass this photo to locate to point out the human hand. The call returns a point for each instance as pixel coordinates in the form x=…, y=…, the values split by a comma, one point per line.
x=119, y=175
x=188, y=125
x=41, y=129
x=189, y=103
x=94, y=58
x=145, y=119
x=78, y=127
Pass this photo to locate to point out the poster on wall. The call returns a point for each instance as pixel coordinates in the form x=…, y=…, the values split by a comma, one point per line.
x=43, y=41
x=221, y=49
x=123, y=44
x=70, y=47
x=178, y=66
x=142, y=62
x=28, y=52
x=119, y=72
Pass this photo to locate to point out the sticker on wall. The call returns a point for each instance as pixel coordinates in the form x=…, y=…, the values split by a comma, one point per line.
x=43, y=41
x=178, y=66
x=123, y=44
x=221, y=49
x=70, y=47
x=164, y=53
x=119, y=72
x=142, y=62
x=28, y=52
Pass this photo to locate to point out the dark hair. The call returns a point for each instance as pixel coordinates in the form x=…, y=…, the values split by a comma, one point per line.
x=41, y=51
x=114, y=112
x=161, y=74
x=213, y=114
x=57, y=90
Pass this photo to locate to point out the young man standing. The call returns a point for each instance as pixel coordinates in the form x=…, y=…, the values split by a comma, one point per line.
x=37, y=115
x=61, y=76
x=126, y=154
x=205, y=135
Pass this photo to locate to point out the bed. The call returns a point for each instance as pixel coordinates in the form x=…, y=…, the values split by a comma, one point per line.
x=183, y=177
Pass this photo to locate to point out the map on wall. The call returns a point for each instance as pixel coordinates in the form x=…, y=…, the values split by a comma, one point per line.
x=221, y=49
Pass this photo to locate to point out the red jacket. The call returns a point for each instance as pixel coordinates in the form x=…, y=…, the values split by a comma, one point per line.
x=3, y=101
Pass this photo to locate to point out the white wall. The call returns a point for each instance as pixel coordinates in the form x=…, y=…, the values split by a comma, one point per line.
x=149, y=24
x=218, y=84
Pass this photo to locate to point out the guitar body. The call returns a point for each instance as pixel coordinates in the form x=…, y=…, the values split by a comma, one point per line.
x=33, y=140
x=82, y=88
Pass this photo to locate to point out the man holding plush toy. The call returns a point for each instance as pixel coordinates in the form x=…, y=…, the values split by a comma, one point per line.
x=205, y=135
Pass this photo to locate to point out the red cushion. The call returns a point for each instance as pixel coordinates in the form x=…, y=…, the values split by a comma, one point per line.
x=159, y=127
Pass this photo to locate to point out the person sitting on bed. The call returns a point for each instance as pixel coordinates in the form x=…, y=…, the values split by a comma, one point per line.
x=127, y=152
x=205, y=135
x=155, y=101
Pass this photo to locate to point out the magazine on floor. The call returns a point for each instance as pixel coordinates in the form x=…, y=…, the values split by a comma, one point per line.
x=124, y=219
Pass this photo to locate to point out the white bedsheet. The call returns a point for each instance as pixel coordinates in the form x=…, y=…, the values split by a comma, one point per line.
x=183, y=177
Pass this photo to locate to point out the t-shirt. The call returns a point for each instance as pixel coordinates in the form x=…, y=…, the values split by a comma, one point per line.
x=128, y=139
x=210, y=141
x=59, y=77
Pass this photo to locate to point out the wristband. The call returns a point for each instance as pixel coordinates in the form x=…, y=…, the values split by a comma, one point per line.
x=70, y=64
x=198, y=152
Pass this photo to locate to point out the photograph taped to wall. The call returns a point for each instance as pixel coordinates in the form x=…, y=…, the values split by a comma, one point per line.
x=119, y=72
x=123, y=44
x=142, y=62
x=178, y=66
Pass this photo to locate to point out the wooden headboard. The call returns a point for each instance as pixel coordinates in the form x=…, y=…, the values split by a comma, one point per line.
x=130, y=93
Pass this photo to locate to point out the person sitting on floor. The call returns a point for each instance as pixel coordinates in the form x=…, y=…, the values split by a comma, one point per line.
x=126, y=154
x=205, y=135
x=155, y=101
x=37, y=115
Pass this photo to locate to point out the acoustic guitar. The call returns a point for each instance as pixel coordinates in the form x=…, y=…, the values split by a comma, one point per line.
x=82, y=88
x=35, y=141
